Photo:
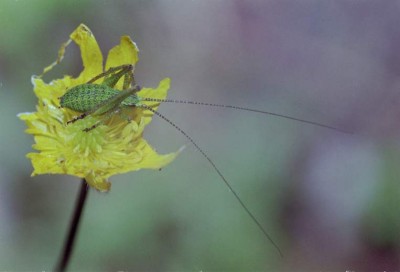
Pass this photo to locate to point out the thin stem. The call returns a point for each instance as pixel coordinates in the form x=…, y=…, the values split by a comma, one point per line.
x=73, y=228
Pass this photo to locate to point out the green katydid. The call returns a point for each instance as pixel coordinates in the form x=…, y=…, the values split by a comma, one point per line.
x=104, y=101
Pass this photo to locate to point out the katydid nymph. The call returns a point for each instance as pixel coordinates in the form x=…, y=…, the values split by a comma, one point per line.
x=104, y=101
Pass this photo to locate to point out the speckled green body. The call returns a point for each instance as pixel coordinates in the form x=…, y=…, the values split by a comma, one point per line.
x=88, y=97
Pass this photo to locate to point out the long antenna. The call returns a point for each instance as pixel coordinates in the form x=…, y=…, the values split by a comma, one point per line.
x=218, y=172
x=245, y=109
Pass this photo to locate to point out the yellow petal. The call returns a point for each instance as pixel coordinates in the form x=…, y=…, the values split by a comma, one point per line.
x=160, y=93
x=90, y=52
x=97, y=182
x=27, y=116
x=45, y=164
x=153, y=160
x=124, y=53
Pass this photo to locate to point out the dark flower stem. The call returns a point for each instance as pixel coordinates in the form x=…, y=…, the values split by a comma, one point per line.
x=73, y=229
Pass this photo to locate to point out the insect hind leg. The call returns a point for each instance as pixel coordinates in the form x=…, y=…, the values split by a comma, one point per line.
x=129, y=80
x=113, y=74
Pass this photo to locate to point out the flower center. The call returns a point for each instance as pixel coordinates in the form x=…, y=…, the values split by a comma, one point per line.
x=86, y=143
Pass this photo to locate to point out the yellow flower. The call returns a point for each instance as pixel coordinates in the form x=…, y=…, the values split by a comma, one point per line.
x=114, y=148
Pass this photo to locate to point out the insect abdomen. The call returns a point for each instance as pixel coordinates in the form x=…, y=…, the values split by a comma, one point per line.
x=86, y=97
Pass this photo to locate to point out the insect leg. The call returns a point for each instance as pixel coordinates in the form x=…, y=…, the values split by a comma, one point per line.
x=77, y=118
x=123, y=113
x=126, y=72
x=129, y=80
x=106, y=116
x=123, y=69
x=93, y=127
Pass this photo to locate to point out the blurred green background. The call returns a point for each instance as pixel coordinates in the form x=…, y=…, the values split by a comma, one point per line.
x=329, y=200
